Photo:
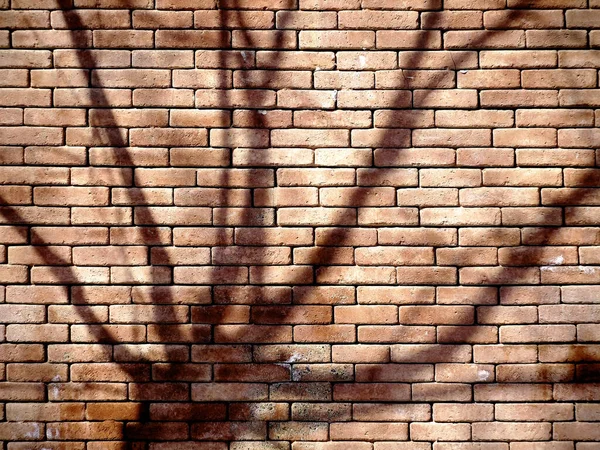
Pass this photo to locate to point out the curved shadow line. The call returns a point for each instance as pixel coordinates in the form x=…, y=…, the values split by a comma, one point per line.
x=104, y=335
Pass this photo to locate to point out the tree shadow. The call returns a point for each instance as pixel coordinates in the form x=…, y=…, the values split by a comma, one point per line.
x=275, y=372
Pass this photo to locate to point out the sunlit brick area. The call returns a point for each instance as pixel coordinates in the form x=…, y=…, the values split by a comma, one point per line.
x=299, y=225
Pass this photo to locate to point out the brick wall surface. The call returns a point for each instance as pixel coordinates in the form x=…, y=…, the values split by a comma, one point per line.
x=299, y=225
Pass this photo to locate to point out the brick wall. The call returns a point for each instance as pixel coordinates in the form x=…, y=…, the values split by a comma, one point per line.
x=299, y=225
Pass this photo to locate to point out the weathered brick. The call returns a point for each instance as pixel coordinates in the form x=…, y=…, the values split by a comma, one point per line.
x=429, y=163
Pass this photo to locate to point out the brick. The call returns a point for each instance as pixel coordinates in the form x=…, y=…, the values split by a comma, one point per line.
x=394, y=334
x=471, y=334
x=228, y=391
x=464, y=372
x=581, y=392
x=532, y=412
x=462, y=412
x=577, y=58
x=523, y=19
x=404, y=40
x=430, y=353
x=315, y=431
x=578, y=215
x=328, y=4
x=90, y=97
x=500, y=196
x=525, y=256
x=59, y=78
x=559, y=118
x=31, y=136
x=178, y=4
x=162, y=19
x=25, y=58
x=470, y=256
x=559, y=78
x=466, y=295
x=333, y=119
x=11, y=116
x=235, y=98
x=194, y=39
x=36, y=333
x=442, y=137
x=369, y=430
x=92, y=58
x=173, y=59
x=257, y=39
x=321, y=411
x=562, y=236
x=554, y=157
x=531, y=216
x=199, y=118
x=536, y=373
x=85, y=430
x=477, y=4
x=49, y=117
x=512, y=275
x=519, y=431
x=236, y=177
x=391, y=373
x=428, y=197
x=484, y=39
x=460, y=216
x=583, y=430
x=306, y=20
x=432, y=59
x=518, y=138
x=21, y=431
x=547, y=4
x=489, y=79
x=556, y=38
x=336, y=39
x=415, y=236
x=375, y=19
x=233, y=59
x=128, y=156
x=430, y=431
x=356, y=60
x=45, y=412
x=239, y=138
x=123, y=38
x=518, y=59
x=519, y=98
x=341, y=157
x=19, y=392
x=155, y=352
x=262, y=119
x=344, y=80
x=295, y=60
x=497, y=354
x=578, y=294
x=475, y=119
x=513, y=392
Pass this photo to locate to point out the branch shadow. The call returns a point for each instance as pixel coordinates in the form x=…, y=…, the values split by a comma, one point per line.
x=153, y=418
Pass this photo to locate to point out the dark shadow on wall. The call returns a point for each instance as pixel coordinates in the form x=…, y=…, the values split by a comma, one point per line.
x=152, y=419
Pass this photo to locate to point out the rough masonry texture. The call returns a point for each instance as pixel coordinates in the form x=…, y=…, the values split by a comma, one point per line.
x=299, y=225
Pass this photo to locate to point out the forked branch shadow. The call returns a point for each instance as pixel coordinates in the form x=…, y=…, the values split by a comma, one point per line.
x=148, y=416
